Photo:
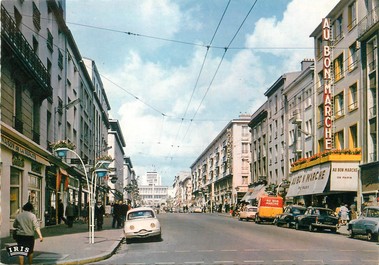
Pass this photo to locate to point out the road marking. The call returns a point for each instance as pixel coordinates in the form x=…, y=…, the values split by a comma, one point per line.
x=252, y=249
x=282, y=260
x=253, y=261
x=228, y=250
x=182, y=251
x=205, y=250
x=299, y=249
x=347, y=250
x=164, y=263
x=194, y=262
x=222, y=261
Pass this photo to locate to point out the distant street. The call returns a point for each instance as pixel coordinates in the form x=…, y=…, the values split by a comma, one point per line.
x=214, y=239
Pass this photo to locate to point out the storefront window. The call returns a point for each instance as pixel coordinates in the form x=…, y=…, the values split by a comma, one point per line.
x=15, y=187
x=34, y=194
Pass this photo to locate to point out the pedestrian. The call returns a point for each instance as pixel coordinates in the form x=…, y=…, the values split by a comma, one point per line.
x=344, y=214
x=61, y=212
x=70, y=214
x=26, y=223
x=116, y=212
x=99, y=215
x=124, y=210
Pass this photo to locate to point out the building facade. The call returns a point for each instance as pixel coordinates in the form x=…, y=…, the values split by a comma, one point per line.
x=220, y=175
x=48, y=95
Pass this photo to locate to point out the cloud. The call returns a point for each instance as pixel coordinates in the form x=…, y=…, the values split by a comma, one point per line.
x=289, y=37
x=150, y=97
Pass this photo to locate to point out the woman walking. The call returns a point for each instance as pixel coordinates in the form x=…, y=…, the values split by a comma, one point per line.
x=26, y=223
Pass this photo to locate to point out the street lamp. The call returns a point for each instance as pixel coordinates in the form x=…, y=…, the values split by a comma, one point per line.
x=100, y=170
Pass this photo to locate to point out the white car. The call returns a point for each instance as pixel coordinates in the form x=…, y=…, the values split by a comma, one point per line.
x=142, y=222
x=248, y=213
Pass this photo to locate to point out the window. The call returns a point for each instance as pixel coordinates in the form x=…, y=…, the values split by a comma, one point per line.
x=49, y=41
x=35, y=45
x=18, y=18
x=353, y=97
x=245, y=148
x=338, y=105
x=319, y=47
x=338, y=29
x=36, y=17
x=339, y=140
x=353, y=57
x=34, y=197
x=352, y=16
x=320, y=86
x=60, y=59
x=338, y=67
x=353, y=136
x=320, y=122
x=15, y=194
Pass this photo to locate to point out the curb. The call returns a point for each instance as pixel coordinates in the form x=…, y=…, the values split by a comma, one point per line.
x=97, y=258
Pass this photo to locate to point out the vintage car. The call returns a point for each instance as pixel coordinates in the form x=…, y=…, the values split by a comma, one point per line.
x=317, y=218
x=367, y=224
x=247, y=213
x=287, y=218
x=142, y=222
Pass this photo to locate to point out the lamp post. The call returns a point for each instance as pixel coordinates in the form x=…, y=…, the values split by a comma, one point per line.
x=100, y=170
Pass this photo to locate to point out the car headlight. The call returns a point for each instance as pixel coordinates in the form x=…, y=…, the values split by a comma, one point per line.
x=152, y=225
x=131, y=227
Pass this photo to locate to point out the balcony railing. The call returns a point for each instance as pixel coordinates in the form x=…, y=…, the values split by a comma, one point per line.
x=368, y=22
x=18, y=43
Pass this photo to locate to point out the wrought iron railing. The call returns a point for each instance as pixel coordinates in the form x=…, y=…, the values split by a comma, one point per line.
x=14, y=37
x=368, y=21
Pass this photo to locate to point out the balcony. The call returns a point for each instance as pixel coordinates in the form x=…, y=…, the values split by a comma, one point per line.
x=368, y=22
x=25, y=54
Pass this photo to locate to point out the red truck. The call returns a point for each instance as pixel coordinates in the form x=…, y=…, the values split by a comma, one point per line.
x=268, y=208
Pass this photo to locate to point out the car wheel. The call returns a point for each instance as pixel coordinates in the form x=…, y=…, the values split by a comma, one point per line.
x=310, y=228
x=257, y=220
x=334, y=230
x=351, y=233
x=297, y=227
x=371, y=236
x=288, y=225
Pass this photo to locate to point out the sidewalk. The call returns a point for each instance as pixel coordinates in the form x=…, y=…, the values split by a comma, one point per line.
x=63, y=245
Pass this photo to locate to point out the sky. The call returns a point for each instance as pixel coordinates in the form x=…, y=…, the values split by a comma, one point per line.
x=177, y=71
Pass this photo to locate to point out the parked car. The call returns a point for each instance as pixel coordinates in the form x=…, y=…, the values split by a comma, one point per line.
x=142, y=222
x=316, y=218
x=287, y=218
x=247, y=213
x=366, y=224
x=268, y=208
x=197, y=209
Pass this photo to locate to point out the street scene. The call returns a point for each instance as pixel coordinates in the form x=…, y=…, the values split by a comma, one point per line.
x=189, y=132
x=204, y=238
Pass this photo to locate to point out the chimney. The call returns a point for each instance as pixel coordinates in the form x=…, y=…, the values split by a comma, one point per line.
x=306, y=63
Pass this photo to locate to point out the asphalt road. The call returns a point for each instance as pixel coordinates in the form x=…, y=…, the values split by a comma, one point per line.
x=213, y=239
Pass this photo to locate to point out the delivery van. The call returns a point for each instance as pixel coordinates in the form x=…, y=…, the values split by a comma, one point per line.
x=268, y=208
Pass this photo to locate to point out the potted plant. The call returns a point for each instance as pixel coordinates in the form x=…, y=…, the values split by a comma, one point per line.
x=61, y=147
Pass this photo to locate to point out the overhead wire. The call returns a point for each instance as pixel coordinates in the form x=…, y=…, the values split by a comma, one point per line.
x=218, y=67
x=201, y=69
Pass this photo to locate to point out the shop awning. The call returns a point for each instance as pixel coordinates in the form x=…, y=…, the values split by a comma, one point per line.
x=309, y=181
x=254, y=193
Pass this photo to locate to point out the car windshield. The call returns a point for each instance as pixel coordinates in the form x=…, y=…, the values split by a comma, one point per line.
x=326, y=213
x=140, y=214
x=251, y=209
x=297, y=211
x=373, y=213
